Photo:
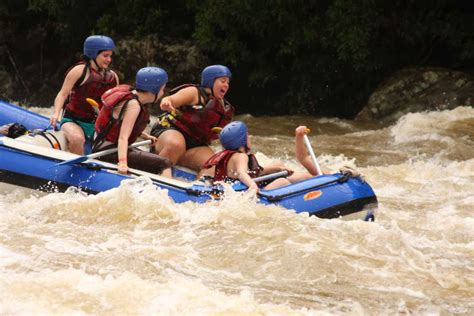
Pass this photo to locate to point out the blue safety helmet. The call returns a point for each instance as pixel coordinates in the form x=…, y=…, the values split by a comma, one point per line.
x=151, y=79
x=96, y=43
x=234, y=135
x=210, y=73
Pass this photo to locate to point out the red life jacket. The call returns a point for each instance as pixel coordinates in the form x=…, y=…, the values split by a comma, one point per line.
x=107, y=127
x=221, y=160
x=95, y=85
x=197, y=121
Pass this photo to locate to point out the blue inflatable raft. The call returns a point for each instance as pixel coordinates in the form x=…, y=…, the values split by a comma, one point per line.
x=28, y=164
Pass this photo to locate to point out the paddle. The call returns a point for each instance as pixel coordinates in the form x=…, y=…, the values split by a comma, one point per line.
x=99, y=154
x=311, y=152
x=50, y=126
x=269, y=176
x=239, y=186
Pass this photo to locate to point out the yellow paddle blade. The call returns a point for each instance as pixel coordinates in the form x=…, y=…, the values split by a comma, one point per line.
x=216, y=129
x=92, y=102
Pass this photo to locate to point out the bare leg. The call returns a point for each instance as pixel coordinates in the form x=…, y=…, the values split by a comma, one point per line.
x=299, y=176
x=295, y=177
x=301, y=152
x=206, y=172
x=172, y=145
x=75, y=137
x=167, y=173
x=195, y=158
x=281, y=182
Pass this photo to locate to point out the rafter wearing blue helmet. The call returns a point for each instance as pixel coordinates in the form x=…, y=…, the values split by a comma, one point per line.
x=94, y=44
x=86, y=80
x=211, y=73
x=234, y=135
x=192, y=111
x=236, y=162
x=124, y=117
x=151, y=79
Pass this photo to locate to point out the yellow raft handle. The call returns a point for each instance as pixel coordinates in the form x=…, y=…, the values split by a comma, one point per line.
x=216, y=129
x=93, y=103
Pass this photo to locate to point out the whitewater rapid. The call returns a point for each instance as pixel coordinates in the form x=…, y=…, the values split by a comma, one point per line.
x=133, y=251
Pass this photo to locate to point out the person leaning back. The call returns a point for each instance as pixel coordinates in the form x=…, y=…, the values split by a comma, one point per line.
x=185, y=131
x=236, y=162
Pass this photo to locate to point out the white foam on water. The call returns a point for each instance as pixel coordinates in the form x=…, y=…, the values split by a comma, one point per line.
x=132, y=250
x=425, y=126
x=76, y=292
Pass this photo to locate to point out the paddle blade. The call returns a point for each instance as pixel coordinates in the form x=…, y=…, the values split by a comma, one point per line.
x=71, y=161
x=101, y=153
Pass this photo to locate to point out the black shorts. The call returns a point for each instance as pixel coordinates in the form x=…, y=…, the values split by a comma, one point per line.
x=137, y=159
x=158, y=129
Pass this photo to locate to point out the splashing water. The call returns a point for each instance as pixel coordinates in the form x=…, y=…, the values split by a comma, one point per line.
x=132, y=250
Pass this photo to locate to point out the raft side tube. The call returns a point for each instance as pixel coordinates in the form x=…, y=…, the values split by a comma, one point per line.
x=15, y=114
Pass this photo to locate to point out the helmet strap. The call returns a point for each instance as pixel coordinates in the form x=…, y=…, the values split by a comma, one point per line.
x=97, y=65
x=212, y=88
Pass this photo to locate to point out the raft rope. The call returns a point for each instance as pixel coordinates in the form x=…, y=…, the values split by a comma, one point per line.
x=56, y=145
x=346, y=173
x=351, y=171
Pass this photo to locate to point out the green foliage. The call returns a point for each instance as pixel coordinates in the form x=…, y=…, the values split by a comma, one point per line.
x=288, y=56
x=143, y=17
x=70, y=20
x=326, y=57
x=352, y=27
x=271, y=44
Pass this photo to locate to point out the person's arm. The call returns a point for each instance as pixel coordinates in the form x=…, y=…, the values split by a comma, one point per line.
x=185, y=96
x=147, y=136
x=130, y=116
x=301, y=152
x=63, y=94
x=238, y=168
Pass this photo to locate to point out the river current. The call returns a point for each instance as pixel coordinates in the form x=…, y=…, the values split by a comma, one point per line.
x=132, y=251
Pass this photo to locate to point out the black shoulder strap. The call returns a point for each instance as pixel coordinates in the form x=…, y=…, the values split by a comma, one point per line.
x=122, y=110
x=77, y=83
x=87, y=66
x=202, y=95
x=100, y=138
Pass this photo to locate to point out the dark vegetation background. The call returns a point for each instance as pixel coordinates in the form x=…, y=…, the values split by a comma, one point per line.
x=287, y=56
